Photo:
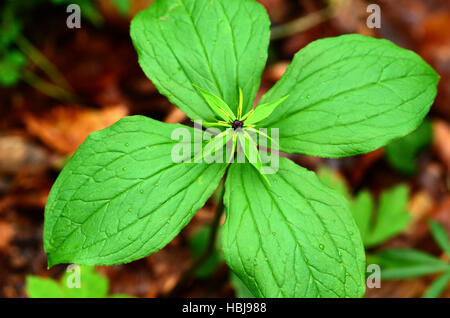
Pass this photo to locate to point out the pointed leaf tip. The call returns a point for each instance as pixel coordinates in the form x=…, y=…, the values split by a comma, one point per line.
x=263, y=111
x=217, y=105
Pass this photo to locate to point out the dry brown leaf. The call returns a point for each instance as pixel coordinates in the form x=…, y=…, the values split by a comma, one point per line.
x=420, y=205
x=274, y=72
x=175, y=116
x=399, y=289
x=435, y=49
x=441, y=141
x=66, y=127
x=351, y=16
x=6, y=235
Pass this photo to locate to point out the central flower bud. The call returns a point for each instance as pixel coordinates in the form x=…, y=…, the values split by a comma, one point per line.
x=237, y=124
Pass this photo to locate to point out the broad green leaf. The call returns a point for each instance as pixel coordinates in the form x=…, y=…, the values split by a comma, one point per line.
x=438, y=286
x=350, y=95
x=217, y=105
x=391, y=217
x=219, y=45
x=398, y=263
x=362, y=207
x=263, y=111
x=121, y=197
x=295, y=238
x=239, y=287
x=91, y=285
x=440, y=236
x=198, y=244
x=401, y=153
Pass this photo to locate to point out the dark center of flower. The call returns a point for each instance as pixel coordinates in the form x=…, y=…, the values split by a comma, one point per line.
x=237, y=124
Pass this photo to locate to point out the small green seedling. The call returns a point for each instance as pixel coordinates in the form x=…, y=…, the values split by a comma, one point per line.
x=401, y=263
x=122, y=196
x=401, y=153
x=390, y=218
x=378, y=225
x=90, y=285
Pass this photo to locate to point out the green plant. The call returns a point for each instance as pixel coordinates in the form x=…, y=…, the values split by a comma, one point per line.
x=389, y=219
x=90, y=10
x=16, y=52
x=91, y=285
x=401, y=263
x=122, y=197
x=375, y=225
x=401, y=153
x=11, y=59
x=123, y=6
x=198, y=244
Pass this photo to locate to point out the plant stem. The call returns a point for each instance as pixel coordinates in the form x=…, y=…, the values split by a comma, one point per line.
x=186, y=277
x=302, y=23
x=42, y=62
x=46, y=87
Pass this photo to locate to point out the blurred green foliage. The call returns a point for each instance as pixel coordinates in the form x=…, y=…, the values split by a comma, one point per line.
x=401, y=153
x=11, y=64
x=88, y=9
x=12, y=20
x=390, y=218
x=11, y=59
x=378, y=223
x=401, y=263
x=92, y=285
x=197, y=245
x=123, y=6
